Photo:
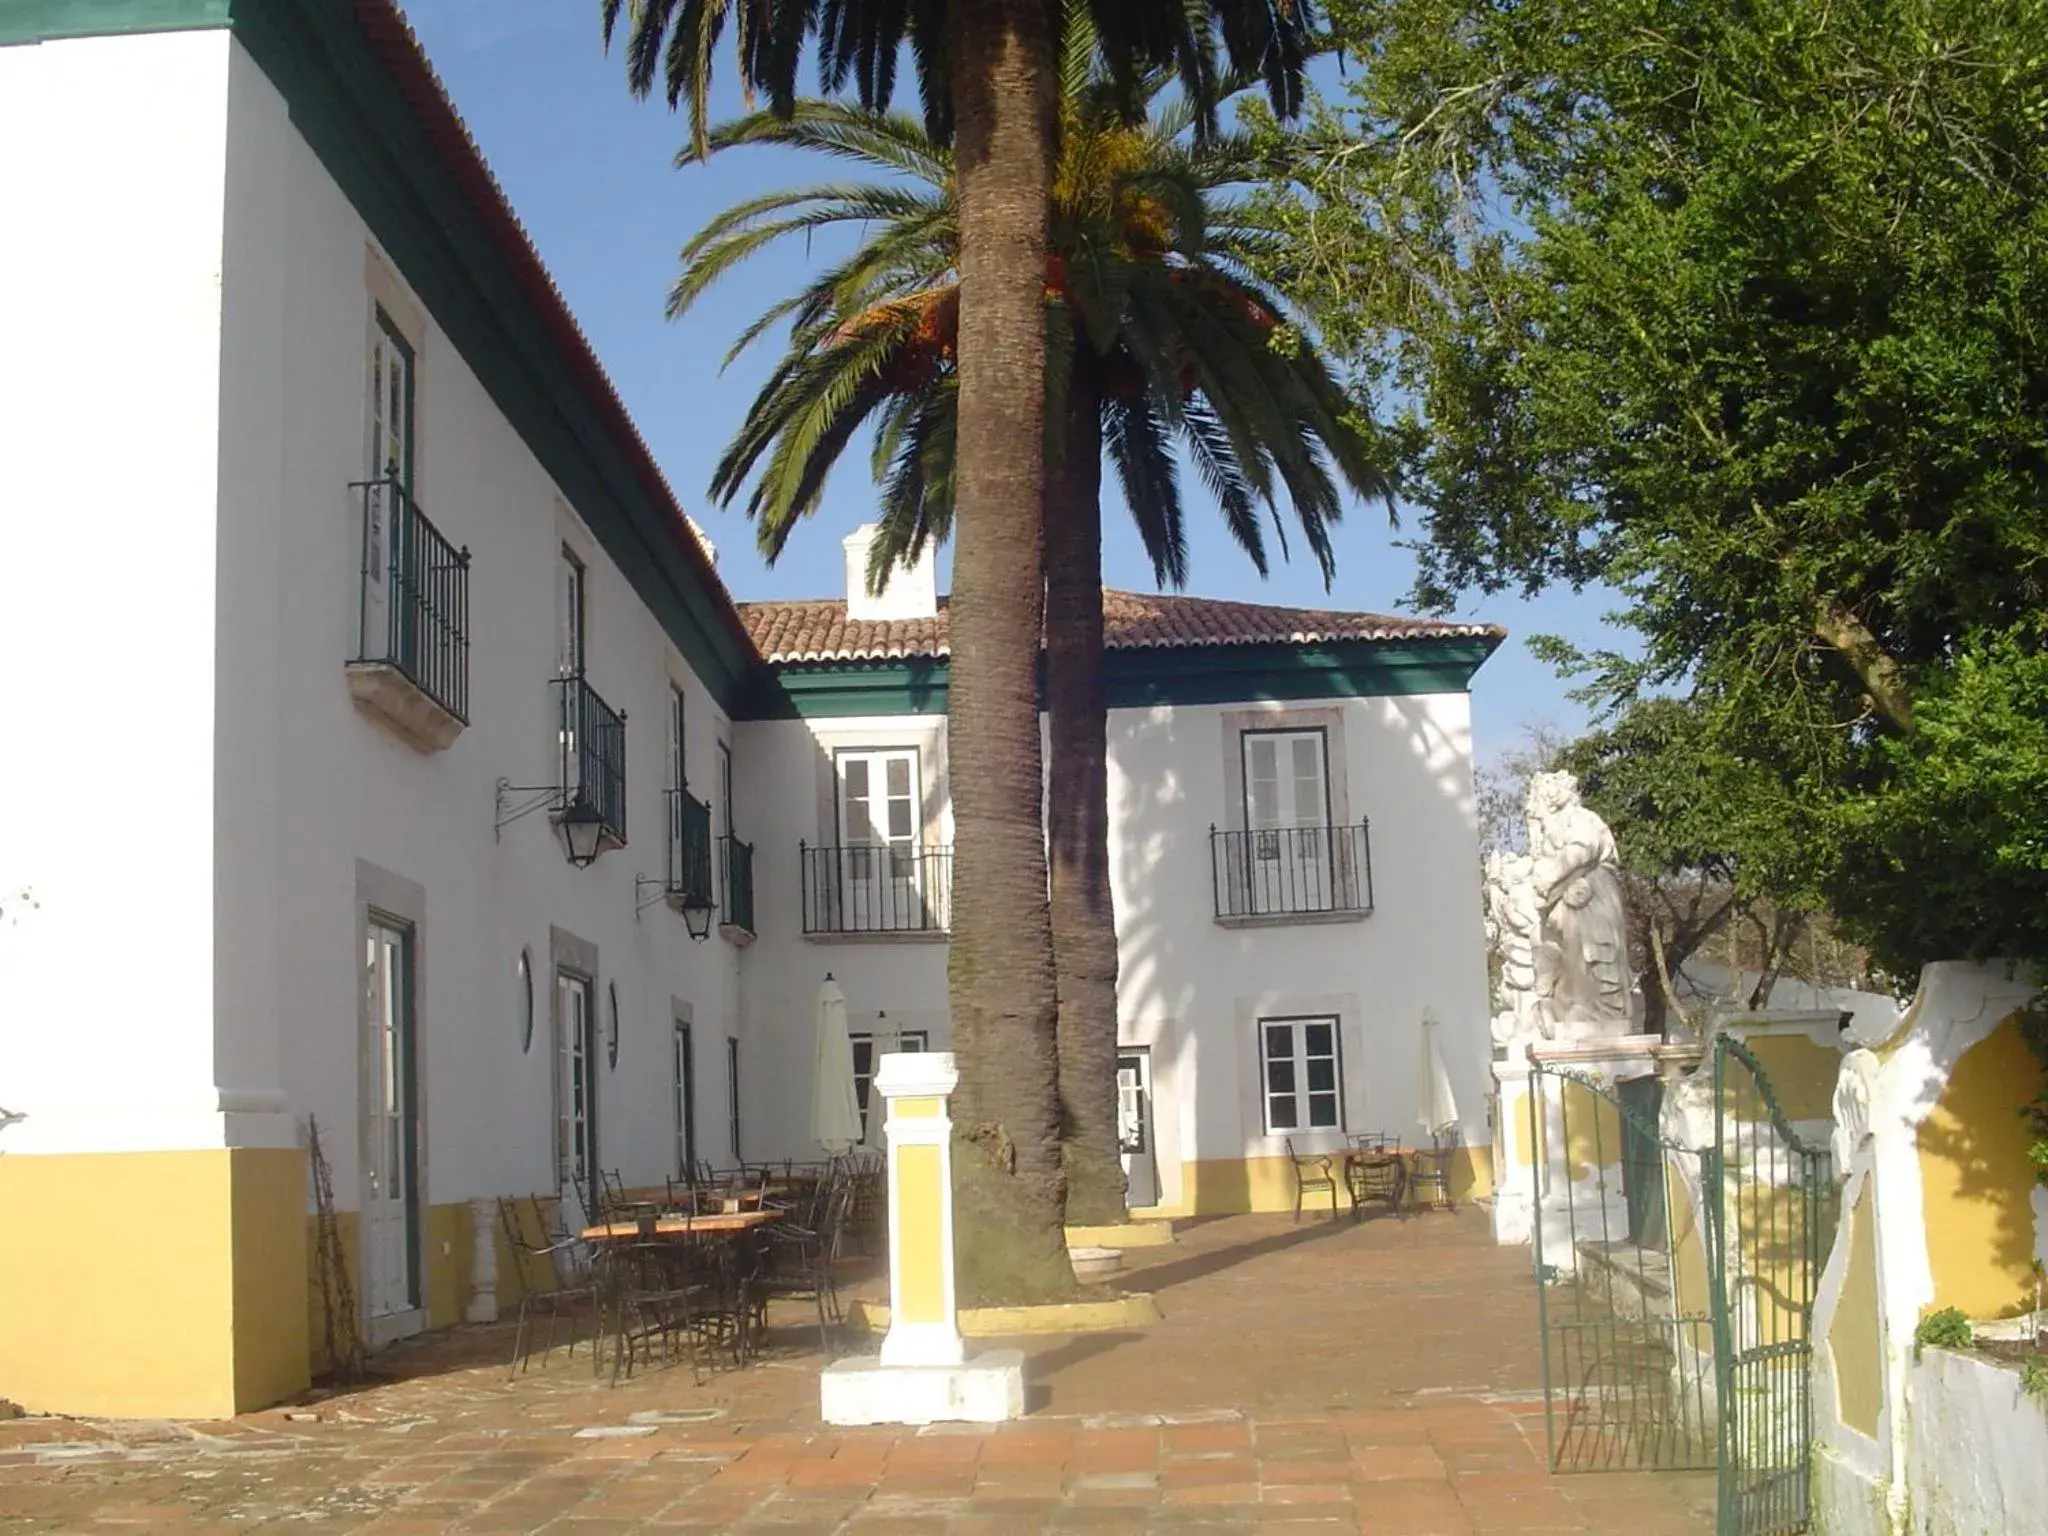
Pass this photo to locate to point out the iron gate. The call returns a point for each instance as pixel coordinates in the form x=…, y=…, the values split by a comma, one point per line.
x=1676, y=1274
x=1628, y=1358
x=1776, y=1206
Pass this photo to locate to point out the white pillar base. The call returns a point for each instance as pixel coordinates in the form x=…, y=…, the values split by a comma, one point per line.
x=987, y=1389
x=923, y=1343
x=483, y=1265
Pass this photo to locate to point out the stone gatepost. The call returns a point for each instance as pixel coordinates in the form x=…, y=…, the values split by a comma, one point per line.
x=923, y=1374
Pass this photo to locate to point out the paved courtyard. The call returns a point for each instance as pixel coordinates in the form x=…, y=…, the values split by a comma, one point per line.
x=1382, y=1377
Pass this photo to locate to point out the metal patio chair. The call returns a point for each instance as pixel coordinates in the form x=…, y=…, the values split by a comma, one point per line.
x=540, y=1267
x=1429, y=1172
x=1313, y=1173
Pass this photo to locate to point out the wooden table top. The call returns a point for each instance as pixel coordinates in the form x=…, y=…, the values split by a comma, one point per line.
x=683, y=1226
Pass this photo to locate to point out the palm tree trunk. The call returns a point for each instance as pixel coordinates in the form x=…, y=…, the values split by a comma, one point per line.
x=1009, y=1189
x=1083, y=909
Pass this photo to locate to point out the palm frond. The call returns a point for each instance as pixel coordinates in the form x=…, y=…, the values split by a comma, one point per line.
x=1136, y=440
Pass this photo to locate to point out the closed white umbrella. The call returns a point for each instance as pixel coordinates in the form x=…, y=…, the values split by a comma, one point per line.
x=1439, y=1110
x=835, y=1111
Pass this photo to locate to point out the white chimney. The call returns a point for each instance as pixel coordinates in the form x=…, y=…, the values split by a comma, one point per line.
x=912, y=591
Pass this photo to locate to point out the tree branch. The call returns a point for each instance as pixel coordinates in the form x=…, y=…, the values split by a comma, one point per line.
x=1875, y=668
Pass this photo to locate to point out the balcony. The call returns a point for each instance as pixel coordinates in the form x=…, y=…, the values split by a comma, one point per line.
x=689, y=848
x=877, y=890
x=736, y=910
x=1291, y=875
x=593, y=766
x=411, y=667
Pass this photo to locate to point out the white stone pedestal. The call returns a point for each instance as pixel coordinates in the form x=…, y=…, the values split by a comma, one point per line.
x=923, y=1375
x=985, y=1389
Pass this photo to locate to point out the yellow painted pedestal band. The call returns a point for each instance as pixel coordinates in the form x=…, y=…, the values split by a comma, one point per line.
x=921, y=1259
x=153, y=1284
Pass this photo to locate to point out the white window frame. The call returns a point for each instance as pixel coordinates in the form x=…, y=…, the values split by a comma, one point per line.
x=732, y=1093
x=678, y=737
x=683, y=1065
x=1299, y=1060
x=863, y=1081
x=1277, y=735
x=573, y=613
x=576, y=1108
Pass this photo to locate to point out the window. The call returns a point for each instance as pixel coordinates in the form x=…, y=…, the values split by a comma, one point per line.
x=685, y=1100
x=576, y=1085
x=725, y=789
x=391, y=403
x=1286, y=784
x=732, y=1092
x=678, y=770
x=864, y=1059
x=877, y=879
x=572, y=602
x=1289, y=857
x=1301, y=1075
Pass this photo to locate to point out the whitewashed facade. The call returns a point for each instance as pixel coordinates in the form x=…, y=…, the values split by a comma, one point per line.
x=278, y=887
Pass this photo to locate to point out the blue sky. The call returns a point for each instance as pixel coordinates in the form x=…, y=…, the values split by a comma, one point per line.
x=590, y=173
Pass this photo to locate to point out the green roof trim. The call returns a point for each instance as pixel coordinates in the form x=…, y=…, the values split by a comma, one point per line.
x=1141, y=677
x=38, y=21
x=347, y=104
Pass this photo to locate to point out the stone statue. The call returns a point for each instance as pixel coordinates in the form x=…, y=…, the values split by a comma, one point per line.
x=1513, y=923
x=1582, y=979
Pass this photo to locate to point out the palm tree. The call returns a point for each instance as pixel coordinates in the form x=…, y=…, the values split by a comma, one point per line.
x=985, y=76
x=1158, y=334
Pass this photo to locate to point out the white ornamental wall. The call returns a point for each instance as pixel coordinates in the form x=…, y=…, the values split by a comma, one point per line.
x=111, y=155
x=307, y=787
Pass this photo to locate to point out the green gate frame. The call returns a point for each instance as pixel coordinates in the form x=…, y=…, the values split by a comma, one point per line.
x=1639, y=1375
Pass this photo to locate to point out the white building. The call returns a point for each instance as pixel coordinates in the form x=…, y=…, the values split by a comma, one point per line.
x=340, y=572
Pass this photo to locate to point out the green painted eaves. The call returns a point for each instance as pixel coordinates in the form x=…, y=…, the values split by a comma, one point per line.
x=1140, y=678
x=35, y=21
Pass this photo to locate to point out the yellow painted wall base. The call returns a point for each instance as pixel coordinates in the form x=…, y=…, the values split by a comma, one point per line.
x=1229, y=1186
x=158, y=1284
x=449, y=1259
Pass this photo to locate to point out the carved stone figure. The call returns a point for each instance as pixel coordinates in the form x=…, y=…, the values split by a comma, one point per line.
x=1513, y=922
x=1582, y=980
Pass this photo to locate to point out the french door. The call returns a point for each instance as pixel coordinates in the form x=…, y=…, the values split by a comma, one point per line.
x=576, y=1093
x=880, y=878
x=390, y=1137
x=1287, y=822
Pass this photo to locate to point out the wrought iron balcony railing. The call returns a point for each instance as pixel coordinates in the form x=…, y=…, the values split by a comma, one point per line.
x=593, y=741
x=414, y=610
x=877, y=888
x=689, y=846
x=736, y=862
x=1291, y=872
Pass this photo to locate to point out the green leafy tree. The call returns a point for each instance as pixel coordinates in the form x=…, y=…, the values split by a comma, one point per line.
x=1738, y=310
x=985, y=73
x=1160, y=338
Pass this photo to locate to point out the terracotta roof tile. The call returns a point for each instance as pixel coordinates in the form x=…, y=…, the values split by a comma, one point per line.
x=819, y=630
